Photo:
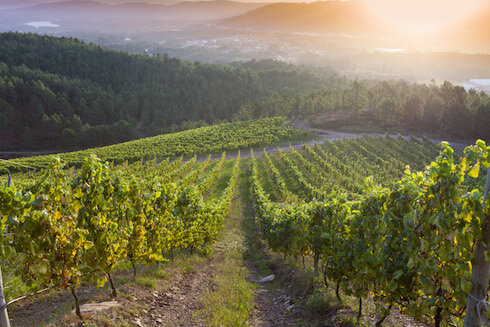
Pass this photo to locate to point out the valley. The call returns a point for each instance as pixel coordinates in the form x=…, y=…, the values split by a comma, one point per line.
x=234, y=163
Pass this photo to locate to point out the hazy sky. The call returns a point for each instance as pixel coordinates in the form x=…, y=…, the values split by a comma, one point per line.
x=415, y=14
x=423, y=14
x=419, y=15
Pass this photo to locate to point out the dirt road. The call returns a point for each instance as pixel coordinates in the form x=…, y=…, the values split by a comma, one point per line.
x=321, y=136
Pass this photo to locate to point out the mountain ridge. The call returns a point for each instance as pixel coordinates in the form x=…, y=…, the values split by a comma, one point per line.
x=89, y=10
x=352, y=17
x=320, y=16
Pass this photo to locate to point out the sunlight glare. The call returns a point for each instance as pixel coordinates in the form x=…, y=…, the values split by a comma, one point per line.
x=423, y=15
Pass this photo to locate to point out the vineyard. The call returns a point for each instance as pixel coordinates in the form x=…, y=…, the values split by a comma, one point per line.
x=67, y=226
x=204, y=140
x=404, y=238
x=384, y=219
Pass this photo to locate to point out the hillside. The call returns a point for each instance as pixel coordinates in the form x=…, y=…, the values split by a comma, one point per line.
x=210, y=139
x=83, y=95
x=444, y=110
x=320, y=17
x=90, y=11
x=353, y=18
x=294, y=189
x=191, y=240
x=15, y=4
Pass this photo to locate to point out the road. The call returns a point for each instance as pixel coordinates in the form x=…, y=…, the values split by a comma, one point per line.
x=321, y=136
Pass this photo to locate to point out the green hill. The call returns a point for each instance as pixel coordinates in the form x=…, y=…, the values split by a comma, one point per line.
x=209, y=139
x=66, y=94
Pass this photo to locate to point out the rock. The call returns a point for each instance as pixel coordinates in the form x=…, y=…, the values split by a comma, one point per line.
x=269, y=278
x=96, y=307
x=138, y=322
x=159, y=320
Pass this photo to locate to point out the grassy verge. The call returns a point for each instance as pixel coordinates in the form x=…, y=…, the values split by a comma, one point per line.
x=232, y=299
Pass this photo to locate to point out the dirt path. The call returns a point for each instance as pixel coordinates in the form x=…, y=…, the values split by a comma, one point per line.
x=175, y=305
x=321, y=137
x=272, y=308
x=172, y=302
x=332, y=135
x=272, y=305
x=179, y=298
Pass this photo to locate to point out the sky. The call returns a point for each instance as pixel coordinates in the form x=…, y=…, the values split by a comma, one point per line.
x=419, y=15
x=423, y=14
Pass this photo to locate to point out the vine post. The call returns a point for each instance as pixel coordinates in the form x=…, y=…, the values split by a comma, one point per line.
x=4, y=317
x=480, y=272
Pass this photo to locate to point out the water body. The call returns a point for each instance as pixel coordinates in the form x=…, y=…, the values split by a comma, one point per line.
x=390, y=50
x=484, y=81
x=42, y=24
x=479, y=84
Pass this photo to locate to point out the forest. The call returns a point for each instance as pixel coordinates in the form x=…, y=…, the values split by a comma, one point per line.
x=186, y=225
x=445, y=109
x=64, y=94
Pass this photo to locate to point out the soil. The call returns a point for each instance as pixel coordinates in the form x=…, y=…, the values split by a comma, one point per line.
x=272, y=308
x=173, y=303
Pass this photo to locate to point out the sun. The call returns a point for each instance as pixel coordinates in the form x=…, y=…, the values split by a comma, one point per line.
x=423, y=15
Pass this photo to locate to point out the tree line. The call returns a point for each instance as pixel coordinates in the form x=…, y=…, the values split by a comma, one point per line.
x=63, y=93
x=447, y=109
x=66, y=94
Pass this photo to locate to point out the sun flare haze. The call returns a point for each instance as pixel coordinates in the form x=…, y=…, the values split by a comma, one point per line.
x=423, y=15
x=148, y=146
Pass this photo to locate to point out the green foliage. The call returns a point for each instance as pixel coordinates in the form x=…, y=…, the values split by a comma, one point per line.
x=71, y=226
x=447, y=109
x=409, y=244
x=317, y=303
x=406, y=239
x=211, y=139
x=82, y=94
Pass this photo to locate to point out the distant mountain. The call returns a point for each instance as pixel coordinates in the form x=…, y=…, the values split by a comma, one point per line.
x=320, y=17
x=91, y=10
x=14, y=4
x=352, y=18
x=216, y=9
